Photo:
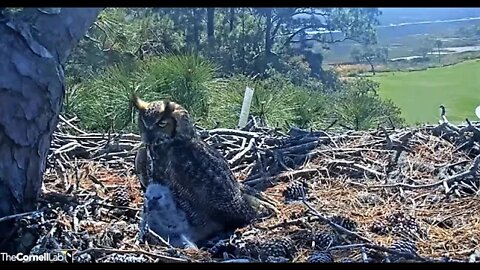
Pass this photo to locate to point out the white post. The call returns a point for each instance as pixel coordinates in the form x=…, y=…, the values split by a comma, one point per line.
x=247, y=102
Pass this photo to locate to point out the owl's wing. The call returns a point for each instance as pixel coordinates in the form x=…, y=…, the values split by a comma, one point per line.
x=202, y=174
x=141, y=167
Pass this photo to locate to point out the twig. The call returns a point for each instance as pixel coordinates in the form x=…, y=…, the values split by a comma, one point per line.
x=297, y=173
x=296, y=221
x=472, y=170
x=118, y=207
x=334, y=225
x=158, y=238
x=70, y=125
x=356, y=165
x=236, y=261
x=67, y=147
x=224, y=131
x=237, y=158
x=18, y=215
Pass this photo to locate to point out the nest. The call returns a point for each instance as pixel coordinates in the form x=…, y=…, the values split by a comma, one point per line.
x=376, y=196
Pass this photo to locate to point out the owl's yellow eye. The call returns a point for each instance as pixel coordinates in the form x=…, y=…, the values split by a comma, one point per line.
x=162, y=124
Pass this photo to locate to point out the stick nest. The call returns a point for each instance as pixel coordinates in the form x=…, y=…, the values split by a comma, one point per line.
x=376, y=196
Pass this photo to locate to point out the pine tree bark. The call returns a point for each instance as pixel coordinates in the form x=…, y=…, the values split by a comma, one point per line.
x=196, y=27
x=211, y=29
x=232, y=19
x=268, y=32
x=211, y=23
x=34, y=45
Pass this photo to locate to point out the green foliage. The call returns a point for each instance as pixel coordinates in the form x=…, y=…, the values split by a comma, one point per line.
x=239, y=44
x=161, y=53
x=186, y=77
x=273, y=101
x=282, y=104
x=313, y=110
x=242, y=37
x=103, y=102
x=276, y=101
x=360, y=107
x=120, y=36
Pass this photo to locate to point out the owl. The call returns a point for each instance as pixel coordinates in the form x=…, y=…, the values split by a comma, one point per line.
x=162, y=213
x=198, y=176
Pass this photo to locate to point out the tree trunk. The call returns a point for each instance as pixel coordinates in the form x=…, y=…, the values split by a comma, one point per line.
x=242, y=49
x=232, y=19
x=372, y=67
x=268, y=32
x=211, y=23
x=34, y=47
x=196, y=28
x=211, y=27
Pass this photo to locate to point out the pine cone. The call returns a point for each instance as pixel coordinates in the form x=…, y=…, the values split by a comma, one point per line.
x=323, y=240
x=320, y=257
x=345, y=222
x=121, y=196
x=405, y=226
x=243, y=247
x=405, y=246
x=282, y=247
x=296, y=190
x=379, y=228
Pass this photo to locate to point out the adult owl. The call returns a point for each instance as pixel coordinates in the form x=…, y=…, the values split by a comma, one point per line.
x=198, y=176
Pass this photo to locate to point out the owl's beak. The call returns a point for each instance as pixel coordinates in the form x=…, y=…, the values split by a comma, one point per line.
x=139, y=103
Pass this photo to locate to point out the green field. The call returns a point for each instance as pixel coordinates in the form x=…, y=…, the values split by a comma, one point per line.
x=420, y=93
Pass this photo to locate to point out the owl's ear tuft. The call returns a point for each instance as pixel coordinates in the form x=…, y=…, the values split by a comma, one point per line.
x=175, y=110
x=139, y=103
x=167, y=107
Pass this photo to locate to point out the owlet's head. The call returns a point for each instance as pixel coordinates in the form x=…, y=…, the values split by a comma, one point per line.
x=162, y=121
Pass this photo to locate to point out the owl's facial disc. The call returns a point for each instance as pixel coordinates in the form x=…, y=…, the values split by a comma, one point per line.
x=162, y=121
x=156, y=123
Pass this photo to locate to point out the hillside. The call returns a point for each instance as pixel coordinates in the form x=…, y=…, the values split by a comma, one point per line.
x=420, y=93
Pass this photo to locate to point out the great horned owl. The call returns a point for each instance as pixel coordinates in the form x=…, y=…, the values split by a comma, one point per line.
x=162, y=213
x=198, y=176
